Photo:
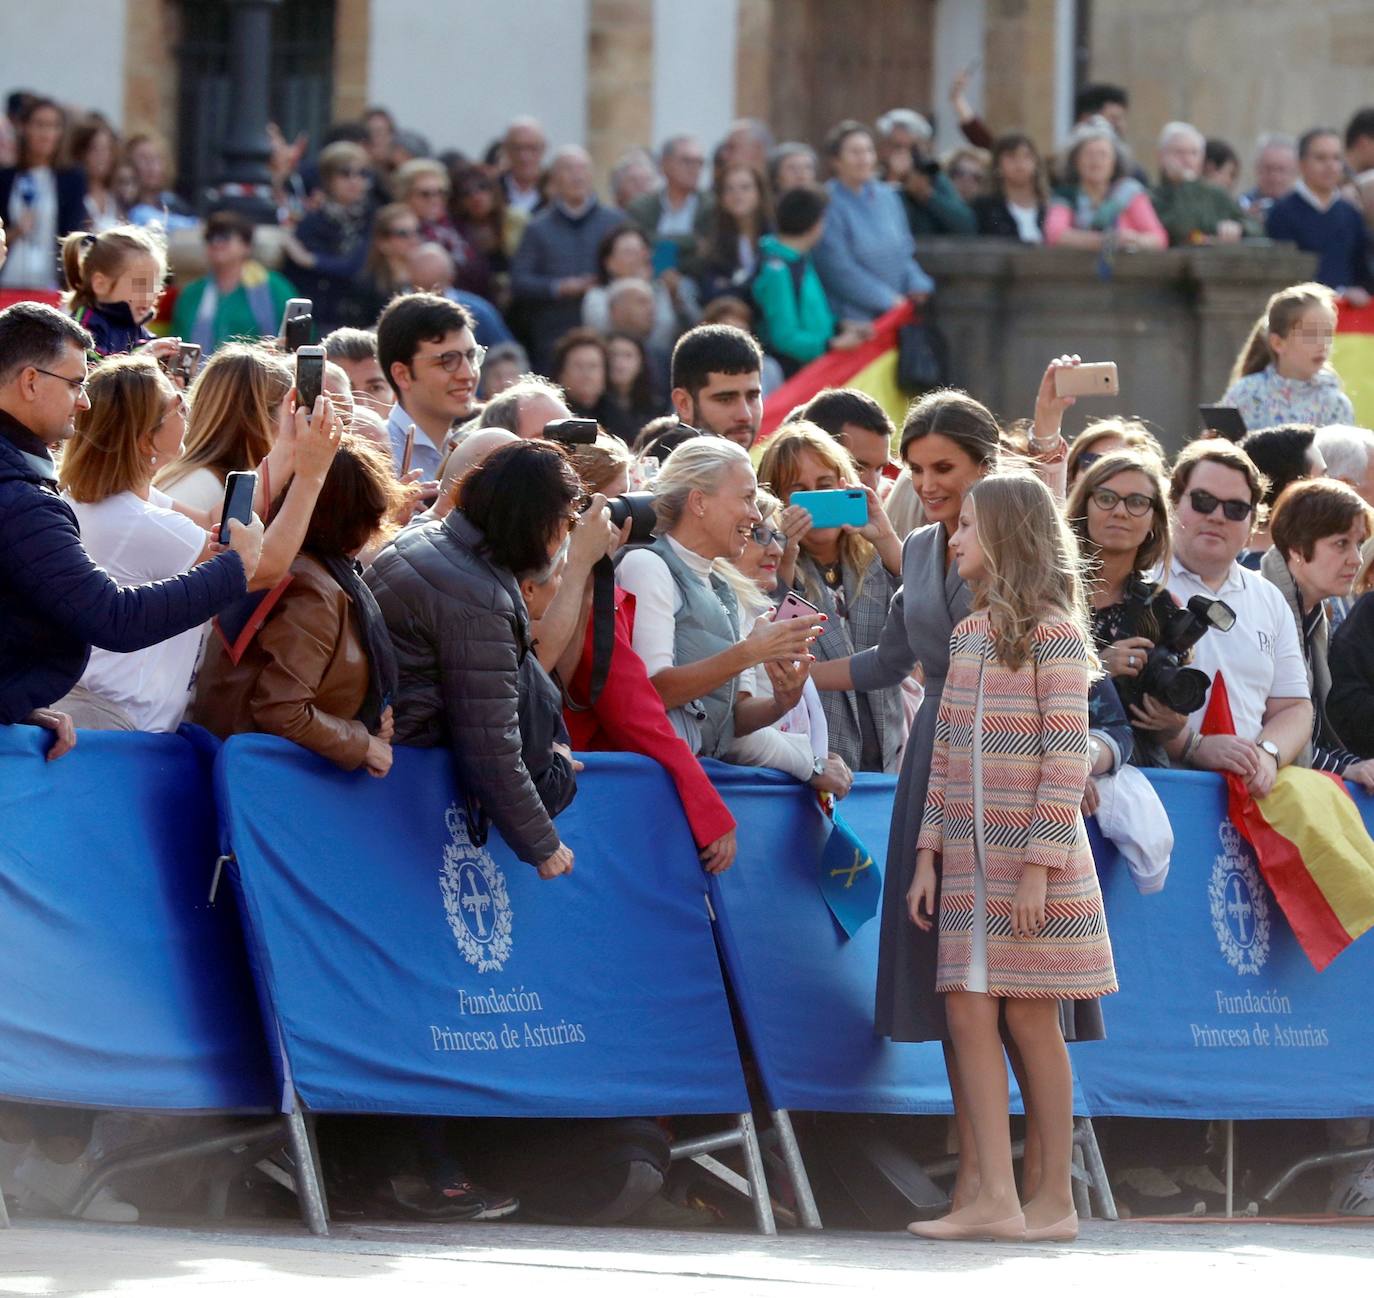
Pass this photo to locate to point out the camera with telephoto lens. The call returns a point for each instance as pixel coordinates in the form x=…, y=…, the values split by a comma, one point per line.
x=636, y=508
x=1164, y=676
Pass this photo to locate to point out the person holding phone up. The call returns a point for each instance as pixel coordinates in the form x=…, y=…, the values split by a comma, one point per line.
x=58, y=602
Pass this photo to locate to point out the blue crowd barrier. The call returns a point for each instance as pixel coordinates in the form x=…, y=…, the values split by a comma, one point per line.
x=1220, y=1014
x=411, y=972
x=121, y=986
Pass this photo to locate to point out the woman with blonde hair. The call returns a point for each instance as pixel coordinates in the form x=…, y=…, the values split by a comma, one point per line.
x=237, y=404
x=136, y=422
x=688, y=627
x=1103, y=436
x=1021, y=922
x=850, y=574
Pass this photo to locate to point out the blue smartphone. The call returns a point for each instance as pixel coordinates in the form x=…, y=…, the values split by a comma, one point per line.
x=845, y=507
x=666, y=253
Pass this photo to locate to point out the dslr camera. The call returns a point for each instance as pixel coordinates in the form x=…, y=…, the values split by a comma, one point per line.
x=1165, y=676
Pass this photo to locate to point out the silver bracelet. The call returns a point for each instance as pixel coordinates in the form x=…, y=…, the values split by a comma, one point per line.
x=1194, y=742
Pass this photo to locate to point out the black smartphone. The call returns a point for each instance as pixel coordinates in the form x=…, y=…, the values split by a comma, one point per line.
x=409, y=453
x=1224, y=421
x=239, y=489
x=188, y=360
x=298, y=332
x=571, y=432
x=309, y=377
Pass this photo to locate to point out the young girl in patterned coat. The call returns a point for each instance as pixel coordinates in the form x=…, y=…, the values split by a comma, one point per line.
x=1021, y=923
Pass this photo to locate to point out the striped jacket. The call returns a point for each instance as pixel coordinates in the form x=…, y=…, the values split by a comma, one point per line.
x=1035, y=766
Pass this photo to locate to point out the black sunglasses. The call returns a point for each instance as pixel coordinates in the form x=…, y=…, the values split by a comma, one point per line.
x=1203, y=502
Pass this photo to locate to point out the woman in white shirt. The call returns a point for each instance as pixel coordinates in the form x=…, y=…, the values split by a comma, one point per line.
x=136, y=423
x=40, y=202
x=688, y=621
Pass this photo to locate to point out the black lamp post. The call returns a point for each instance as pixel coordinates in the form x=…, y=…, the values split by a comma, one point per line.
x=246, y=183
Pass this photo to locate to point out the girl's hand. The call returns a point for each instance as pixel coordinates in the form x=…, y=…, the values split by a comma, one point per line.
x=920, y=897
x=1050, y=408
x=163, y=349
x=1028, y=905
x=1127, y=657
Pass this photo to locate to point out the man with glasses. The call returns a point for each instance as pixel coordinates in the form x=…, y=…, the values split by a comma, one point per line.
x=676, y=210
x=1216, y=492
x=239, y=298
x=427, y=351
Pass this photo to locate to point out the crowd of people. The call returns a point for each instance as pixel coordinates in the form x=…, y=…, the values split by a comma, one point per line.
x=523, y=384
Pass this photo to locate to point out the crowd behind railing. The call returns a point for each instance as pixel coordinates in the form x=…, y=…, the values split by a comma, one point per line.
x=410, y=535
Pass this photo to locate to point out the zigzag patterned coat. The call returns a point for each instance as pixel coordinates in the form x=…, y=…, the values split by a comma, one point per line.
x=1035, y=764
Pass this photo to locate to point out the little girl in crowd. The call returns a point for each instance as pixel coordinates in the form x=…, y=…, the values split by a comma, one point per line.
x=1021, y=922
x=1281, y=375
x=116, y=281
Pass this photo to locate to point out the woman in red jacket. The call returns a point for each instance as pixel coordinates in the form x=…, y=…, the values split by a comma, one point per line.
x=628, y=715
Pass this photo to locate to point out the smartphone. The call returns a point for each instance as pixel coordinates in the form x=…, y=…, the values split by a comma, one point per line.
x=571, y=432
x=666, y=253
x=239, y=489
x=188, y=360
x=409, y=453
x=793, y=606
x=847, y=506
x=1094, y=380
x=309, y=376
x=297, y=306
x=297, y=333
x=1224, y=421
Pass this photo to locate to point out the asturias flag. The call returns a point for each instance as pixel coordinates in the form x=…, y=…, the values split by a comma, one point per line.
x=1311, y=844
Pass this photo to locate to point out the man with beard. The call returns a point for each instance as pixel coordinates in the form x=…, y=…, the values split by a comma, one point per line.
x=716, y=382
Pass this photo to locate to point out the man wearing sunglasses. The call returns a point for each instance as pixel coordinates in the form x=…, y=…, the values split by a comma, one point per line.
x=1215, y=492
x=427, y=351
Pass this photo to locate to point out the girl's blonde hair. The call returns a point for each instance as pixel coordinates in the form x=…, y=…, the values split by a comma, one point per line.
x=129, y=396
x=1283, y=312
x=86, y=255
x=1032, y=563
x=696, y=465
x=601, y=461
x=780, y=468
x=232, y=425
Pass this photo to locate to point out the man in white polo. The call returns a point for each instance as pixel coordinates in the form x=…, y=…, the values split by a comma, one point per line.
x=1215, y=492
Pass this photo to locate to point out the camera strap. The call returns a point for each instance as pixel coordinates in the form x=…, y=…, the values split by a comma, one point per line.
x=603, y=626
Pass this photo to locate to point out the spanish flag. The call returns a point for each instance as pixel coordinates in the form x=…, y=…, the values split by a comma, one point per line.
x=1311, y=845
x=1352, y=357
x=871, y=367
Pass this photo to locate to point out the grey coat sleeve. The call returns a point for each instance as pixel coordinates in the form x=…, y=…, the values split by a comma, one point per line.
x=479, y=668
x=889, y=661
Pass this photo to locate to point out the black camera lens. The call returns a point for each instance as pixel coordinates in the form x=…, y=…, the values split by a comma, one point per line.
x=639, y=507
x=1184, y=689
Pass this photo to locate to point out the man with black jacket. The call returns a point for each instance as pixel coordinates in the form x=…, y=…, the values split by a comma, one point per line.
x=55, y=603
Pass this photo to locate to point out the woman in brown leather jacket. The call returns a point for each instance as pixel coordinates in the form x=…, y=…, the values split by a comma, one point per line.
x=320, y=670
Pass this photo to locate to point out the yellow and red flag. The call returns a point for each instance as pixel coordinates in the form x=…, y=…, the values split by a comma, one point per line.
x=1352, y=357
x=871, y=367
x=1311, y=845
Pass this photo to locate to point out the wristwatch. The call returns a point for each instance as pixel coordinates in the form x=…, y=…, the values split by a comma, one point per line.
x=817, y=767
x=1270, y=747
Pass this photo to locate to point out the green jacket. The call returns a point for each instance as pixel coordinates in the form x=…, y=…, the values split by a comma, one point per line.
x=944, y=212
x=795, y=317
x=1193, y=207
x=234, y=315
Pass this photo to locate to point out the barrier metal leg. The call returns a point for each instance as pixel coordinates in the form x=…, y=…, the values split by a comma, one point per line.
x=4, y=1212
x=758, y=1182
x=1086, y=1139
x=1230, y=1168
x=1332, y=1158
x=309, y=1183
x=796, y=1170
x=754, y=1184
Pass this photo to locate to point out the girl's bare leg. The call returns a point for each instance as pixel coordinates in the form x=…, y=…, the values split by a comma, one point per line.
x=1034, y=1026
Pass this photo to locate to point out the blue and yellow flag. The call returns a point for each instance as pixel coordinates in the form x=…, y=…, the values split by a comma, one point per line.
x=851, y=880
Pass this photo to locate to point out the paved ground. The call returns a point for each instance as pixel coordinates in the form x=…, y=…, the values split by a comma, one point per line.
x=1167, y=1261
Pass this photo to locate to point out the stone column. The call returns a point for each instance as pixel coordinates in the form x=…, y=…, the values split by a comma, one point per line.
x=620, y=70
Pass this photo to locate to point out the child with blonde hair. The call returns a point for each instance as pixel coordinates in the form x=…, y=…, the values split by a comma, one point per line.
x=1021, y=923
x=114, y=282
x=1282, y=375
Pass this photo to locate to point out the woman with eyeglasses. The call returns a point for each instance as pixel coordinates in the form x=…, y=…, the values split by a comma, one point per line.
x=850, y=574
x=136, y=423
x=329, y=247
x=1119, y=510
x=423, y=185
x=395, y=235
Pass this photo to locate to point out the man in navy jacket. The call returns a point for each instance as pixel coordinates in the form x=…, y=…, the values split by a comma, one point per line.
x=55, y=603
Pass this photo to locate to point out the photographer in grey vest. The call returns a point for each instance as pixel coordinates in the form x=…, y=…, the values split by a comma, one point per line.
x=687, y=620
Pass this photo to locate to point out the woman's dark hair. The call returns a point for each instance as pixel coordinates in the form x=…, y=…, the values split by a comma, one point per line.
x=358, y=496
x=723, y=241
x=580, y=336
x=952, y=413
x=799, y=209
x=1009, y=143
x=607, y=246
x=83, y=135
x=833, y=408
x=489, y=233
x=641, y=396
x=1310, y=511
x=37, y=106
x=1281, y=454
x=521, y=499
x=838, y=134
x=1218, y=154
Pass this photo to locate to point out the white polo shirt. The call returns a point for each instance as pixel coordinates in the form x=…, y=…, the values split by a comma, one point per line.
x=1260, y=656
